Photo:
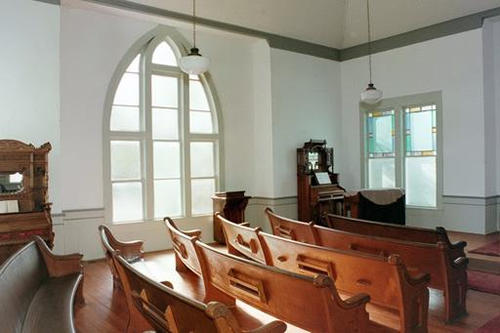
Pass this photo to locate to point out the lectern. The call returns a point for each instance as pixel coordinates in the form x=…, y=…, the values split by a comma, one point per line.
x=232, y=206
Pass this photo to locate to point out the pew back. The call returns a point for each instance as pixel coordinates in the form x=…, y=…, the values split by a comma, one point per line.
x=309, y=303
x=242, y=239
x=291, y=229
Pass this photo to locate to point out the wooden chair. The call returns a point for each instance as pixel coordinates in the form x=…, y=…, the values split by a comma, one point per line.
x=311, y=303
x=132, y=251
x=241, y=239
x=447, y=274
x=169, y=311
x=291, y=229
x=183, y=243
x=385, y=279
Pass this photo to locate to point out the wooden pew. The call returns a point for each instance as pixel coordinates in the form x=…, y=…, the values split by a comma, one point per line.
x=445, y=265
x=310, y=303
x=169, y=311
x=385, y=279
x=446, y=274
x=183, y=243
x=291, y=229
x=242, y=239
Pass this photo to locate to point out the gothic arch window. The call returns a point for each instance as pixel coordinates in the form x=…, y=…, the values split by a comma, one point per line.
x=162, y=138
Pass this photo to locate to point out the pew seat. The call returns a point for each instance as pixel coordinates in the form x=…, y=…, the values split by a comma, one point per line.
x=385, y=279
x=39, y=289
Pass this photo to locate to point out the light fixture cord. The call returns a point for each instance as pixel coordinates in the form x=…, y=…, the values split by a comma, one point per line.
x=194, y=23
x=369, y=39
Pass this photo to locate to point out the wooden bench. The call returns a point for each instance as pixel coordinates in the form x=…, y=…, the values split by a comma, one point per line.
x=183, y=242
x=39, y=289
x=447, y=266
x=169, y=311
x=311, y=303
x=291, y=229
x=385, y=279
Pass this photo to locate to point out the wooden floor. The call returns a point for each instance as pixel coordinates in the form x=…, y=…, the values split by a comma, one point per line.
x=105, y=309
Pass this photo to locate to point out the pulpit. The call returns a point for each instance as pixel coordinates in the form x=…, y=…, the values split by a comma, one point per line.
x=232, y=206
x=318, y=190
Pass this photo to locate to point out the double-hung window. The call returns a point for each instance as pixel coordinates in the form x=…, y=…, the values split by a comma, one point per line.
x=401, y=141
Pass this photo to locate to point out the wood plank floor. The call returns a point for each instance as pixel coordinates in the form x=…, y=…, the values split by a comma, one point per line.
x=105, y=309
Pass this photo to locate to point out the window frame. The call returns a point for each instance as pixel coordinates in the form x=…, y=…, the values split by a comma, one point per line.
x=398, y=104
x=146, y=46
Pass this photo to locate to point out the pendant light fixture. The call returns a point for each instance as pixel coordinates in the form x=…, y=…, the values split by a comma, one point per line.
x=371, y=95
x=194, y=63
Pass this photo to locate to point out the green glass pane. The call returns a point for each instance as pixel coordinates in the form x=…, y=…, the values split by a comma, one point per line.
x=381, y=129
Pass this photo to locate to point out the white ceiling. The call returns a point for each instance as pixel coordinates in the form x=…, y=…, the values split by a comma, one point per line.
x=335, y=23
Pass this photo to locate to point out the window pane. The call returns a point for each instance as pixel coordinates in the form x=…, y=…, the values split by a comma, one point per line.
x=125, y=160
x=197, y=97
x=200, y=122
x=421, y=181
x=164, y=55
x=164, y=91
x=202, y=159
x=381, y=173
x=165, y=124
x=420, y=129
x=127, y=92
x=127, y=201
x=381, y=132
x=166, y=160
x=167, y=198
x=201, y=196
x=134, y=65
x=124, y=118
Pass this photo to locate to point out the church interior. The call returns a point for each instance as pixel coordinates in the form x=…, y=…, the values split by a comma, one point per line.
x=183, y=166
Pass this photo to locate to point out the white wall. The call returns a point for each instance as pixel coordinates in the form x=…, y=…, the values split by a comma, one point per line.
x=29, y=80
x=454, y=66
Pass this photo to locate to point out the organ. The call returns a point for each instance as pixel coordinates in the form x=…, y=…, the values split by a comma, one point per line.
x=318, y=190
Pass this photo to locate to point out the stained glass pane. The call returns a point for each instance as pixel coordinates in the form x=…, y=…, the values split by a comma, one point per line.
x=420, y=130
x=197, y=97
x=201, y=196
x=164, y=91
x=200, y=122
x=125, y=160
x=421, y=181
x=164, y=55
x=381, y=173
x=165, y=124
x=166, y=160
x=202, y=159
x=127, y=202
x=124, y=118
x=167, y=198
x=381, y=131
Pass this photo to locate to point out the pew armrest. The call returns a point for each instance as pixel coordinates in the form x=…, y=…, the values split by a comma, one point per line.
x=458, y=245
x=356, y=300
x=460, y=263
x=131, y=250
x=272, y=327
x=59, y=265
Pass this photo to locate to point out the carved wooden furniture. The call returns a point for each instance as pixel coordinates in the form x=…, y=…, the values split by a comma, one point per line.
x=385, y=278
x=183, y=242
x=38, y=290
x=383, y=205
x=231, y=205
x=311, y=303
x=169, y=311
x=18, y=159
x=132, y=251
x=315, y=200
x=291, y=229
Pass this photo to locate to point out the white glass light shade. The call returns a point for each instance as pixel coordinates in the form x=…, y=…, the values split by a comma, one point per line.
x=194, y=63
x=371, y=95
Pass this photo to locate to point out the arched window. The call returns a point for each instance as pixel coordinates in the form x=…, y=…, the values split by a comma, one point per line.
x=162, y=138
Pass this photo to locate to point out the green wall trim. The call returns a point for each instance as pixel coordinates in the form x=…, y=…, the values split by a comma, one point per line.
x=458, y=25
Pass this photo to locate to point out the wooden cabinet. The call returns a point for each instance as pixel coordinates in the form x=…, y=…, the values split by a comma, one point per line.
x=232, y=206
x=318, y=190
x=24, y=185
